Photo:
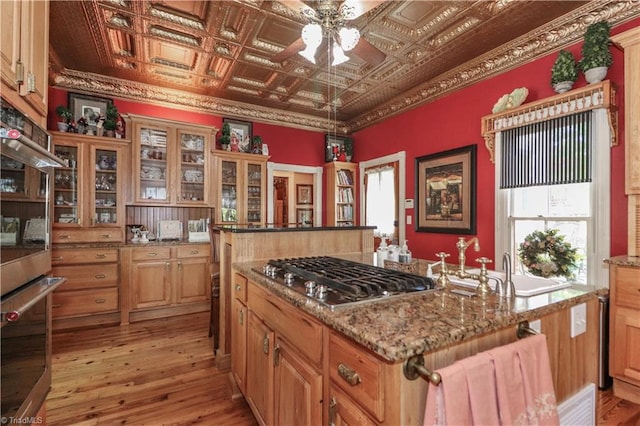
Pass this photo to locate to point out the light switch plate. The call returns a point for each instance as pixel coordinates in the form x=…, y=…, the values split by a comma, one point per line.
x=578, y=319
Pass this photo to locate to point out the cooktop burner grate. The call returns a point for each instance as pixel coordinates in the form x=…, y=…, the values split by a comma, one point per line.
x=332, y=281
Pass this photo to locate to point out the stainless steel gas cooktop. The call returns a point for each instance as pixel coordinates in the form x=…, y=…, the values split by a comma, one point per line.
x=337, y=282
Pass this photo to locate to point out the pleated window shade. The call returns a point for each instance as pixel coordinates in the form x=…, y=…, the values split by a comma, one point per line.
x=551, y=152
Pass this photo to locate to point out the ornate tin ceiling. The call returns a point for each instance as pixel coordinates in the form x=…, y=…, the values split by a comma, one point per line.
x=215, y=55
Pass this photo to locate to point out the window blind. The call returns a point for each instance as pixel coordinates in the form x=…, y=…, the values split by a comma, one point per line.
x=551, y=152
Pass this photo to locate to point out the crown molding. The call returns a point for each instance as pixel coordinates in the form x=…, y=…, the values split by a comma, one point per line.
x=545, y=40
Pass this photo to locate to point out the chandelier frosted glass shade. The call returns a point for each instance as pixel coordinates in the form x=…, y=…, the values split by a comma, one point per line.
x=349, y=37
x=338, y=55
x=344, y=40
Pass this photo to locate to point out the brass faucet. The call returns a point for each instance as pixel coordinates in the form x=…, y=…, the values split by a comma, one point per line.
x=462, y=246
x=443, y=280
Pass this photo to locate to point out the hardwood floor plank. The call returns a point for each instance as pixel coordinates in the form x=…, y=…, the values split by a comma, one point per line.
x=162, y=372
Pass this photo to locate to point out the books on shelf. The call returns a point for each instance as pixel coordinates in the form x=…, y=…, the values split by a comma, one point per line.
x=345, y=177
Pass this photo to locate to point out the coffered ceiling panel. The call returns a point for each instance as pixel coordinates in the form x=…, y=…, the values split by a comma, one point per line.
x=217, y=55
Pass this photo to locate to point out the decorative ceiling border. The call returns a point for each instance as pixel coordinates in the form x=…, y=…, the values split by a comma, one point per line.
x=562, y=32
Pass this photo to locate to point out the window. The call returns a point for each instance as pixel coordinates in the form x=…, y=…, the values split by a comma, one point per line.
x=380, y=183
x=561, y=182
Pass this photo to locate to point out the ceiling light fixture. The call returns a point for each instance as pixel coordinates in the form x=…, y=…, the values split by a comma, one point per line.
x=344, y=40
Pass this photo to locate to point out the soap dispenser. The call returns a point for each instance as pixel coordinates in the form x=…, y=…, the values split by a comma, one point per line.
x=382, y=252
x=405, y=253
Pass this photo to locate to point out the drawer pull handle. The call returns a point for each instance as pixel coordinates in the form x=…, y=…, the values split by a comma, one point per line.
x=65, y=236
x=349, y=375
x=180, y=265
x=241, y=319
x=56, y=258
x=101, y=300
x=100, y=276
x=265, y=345
x=57, y=305
x=106, y=235
x=276, y=355
x=195, y=251
x=152, y=254
x=100, y=256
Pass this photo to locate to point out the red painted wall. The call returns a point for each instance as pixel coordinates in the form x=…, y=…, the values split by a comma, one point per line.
x=454, y=121
x=447, y=123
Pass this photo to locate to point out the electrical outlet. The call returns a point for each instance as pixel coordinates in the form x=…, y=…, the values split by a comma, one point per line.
x=578, y=319
x=408, y=219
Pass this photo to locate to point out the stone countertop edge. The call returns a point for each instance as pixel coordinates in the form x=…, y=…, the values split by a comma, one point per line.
x=624, y=260
x=411, y=324
x=246, y=229
x=127, y=244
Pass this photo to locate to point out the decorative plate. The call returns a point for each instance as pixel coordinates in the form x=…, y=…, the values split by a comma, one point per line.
x=501, y=105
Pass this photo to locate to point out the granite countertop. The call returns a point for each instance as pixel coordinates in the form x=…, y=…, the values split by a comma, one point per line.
x=127, y=244
x=249, y=228
x=406, y=325
x=624, y=260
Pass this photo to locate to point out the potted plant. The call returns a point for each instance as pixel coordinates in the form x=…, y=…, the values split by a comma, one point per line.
x=564, y=72
x=348, y=148
x=225, y=137
x=111, y=118
x=65, y=115
x=596, y=56
x=256, y=145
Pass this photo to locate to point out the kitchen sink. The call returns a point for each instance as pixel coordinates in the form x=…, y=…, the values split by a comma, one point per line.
x=525, y=285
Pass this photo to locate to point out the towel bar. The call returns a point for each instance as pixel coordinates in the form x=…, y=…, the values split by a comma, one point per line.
x=524, y=330
x=414, y=368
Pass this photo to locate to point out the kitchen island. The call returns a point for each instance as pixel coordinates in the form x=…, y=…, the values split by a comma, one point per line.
x=347, y=364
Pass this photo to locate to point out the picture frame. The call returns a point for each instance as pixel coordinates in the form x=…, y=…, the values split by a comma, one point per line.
x=90, y=107
x=446, y=191
x=241, y=134
x=304, y=194
x=332, y=146
x=304, y=217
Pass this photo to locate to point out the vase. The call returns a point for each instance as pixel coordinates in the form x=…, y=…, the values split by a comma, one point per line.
x=109, y=133
x=563, y=86
x=595, y=75
x=62, y=126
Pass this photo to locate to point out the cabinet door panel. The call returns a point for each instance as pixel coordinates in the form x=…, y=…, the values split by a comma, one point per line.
x=239, y=343
x=260, y=369
x=298, y=389
x=625, y=360
x=150, y=282
x=193, y=283
x=343, y=411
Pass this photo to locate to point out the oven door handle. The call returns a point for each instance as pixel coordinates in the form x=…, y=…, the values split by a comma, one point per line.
x=13, y=307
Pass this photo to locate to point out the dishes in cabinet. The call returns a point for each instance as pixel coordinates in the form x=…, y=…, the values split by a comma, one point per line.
x=148, y=172
x=192, y=142
x=193, y=176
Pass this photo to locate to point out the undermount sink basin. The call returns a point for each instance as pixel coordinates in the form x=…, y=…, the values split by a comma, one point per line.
x=525, y=285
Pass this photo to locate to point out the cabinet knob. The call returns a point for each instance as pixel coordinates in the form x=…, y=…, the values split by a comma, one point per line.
x=238, y=288
x=349, y=375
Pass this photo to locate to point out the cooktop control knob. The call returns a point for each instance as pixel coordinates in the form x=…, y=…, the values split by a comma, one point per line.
x=288, y=278
x=310, y=286
x=321, y=292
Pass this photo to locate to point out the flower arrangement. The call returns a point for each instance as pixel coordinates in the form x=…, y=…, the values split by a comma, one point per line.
x=546, y=254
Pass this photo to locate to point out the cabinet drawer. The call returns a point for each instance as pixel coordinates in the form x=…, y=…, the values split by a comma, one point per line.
x=185, y=252
x=85, y=255
x=239, y=287
x=151, y=253
x=104, y=235
x=359, y=374
x=302, y=331
x=81, y=277
x=84, y=302
x=627, y=291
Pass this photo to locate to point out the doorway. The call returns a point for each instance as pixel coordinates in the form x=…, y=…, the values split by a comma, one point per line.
x=289, y=177
x=280, y=201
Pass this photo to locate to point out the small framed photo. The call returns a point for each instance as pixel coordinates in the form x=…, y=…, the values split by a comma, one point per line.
x=333, y=146
x=446, y=191
x=241, y=134
x=304, y=194
x=89, y=107
x=304, y=217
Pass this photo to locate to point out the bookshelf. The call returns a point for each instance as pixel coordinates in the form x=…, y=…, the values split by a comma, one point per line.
x=341, y=193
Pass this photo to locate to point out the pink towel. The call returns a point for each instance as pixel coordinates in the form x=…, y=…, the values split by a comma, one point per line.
x=507, y=385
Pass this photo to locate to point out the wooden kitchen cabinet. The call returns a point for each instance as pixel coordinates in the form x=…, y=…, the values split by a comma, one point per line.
x=624, y=339
x=24, y=47
x=89, y=191
x=240, y=187
x=171, y=162
x=91, y=294
x=166, y=280
x=20, y=182
x=341, y=193
x=239, y=317
x=283, y=361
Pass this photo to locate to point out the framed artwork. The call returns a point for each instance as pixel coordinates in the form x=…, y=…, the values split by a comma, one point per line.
x=241, y=134
x=446, y=191
x=304, y=194
x=304, y=217
x=89, y=107
x=332, y=147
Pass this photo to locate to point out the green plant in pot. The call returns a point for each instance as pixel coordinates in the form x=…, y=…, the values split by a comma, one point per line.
x=225, y=136
x=564, y=72
x=65, y=115
x=348, y=148
x=111, y=119
x=596, y=56
x=256, y=145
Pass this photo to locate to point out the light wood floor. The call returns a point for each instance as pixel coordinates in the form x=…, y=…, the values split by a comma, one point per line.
x=162, y=372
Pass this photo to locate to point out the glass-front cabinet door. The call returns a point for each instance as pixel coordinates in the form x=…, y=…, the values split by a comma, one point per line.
x=153, y=176
x=106, y=175
x=192, y=167
x=229, y=191
x=255, y=192
x=20, y=181
x=67, y=208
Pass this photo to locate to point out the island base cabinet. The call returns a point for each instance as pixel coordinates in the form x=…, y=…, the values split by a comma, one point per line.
x=260, y=341
x=343, y=411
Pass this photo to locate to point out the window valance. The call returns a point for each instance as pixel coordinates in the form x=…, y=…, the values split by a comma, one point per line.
x=593, y=96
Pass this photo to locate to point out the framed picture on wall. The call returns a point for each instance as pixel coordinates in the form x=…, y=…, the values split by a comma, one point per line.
x=333, y=146
x=304, y=194
x=241, y=134
x=89, y=107
x=446, y=191
x=304, y=217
